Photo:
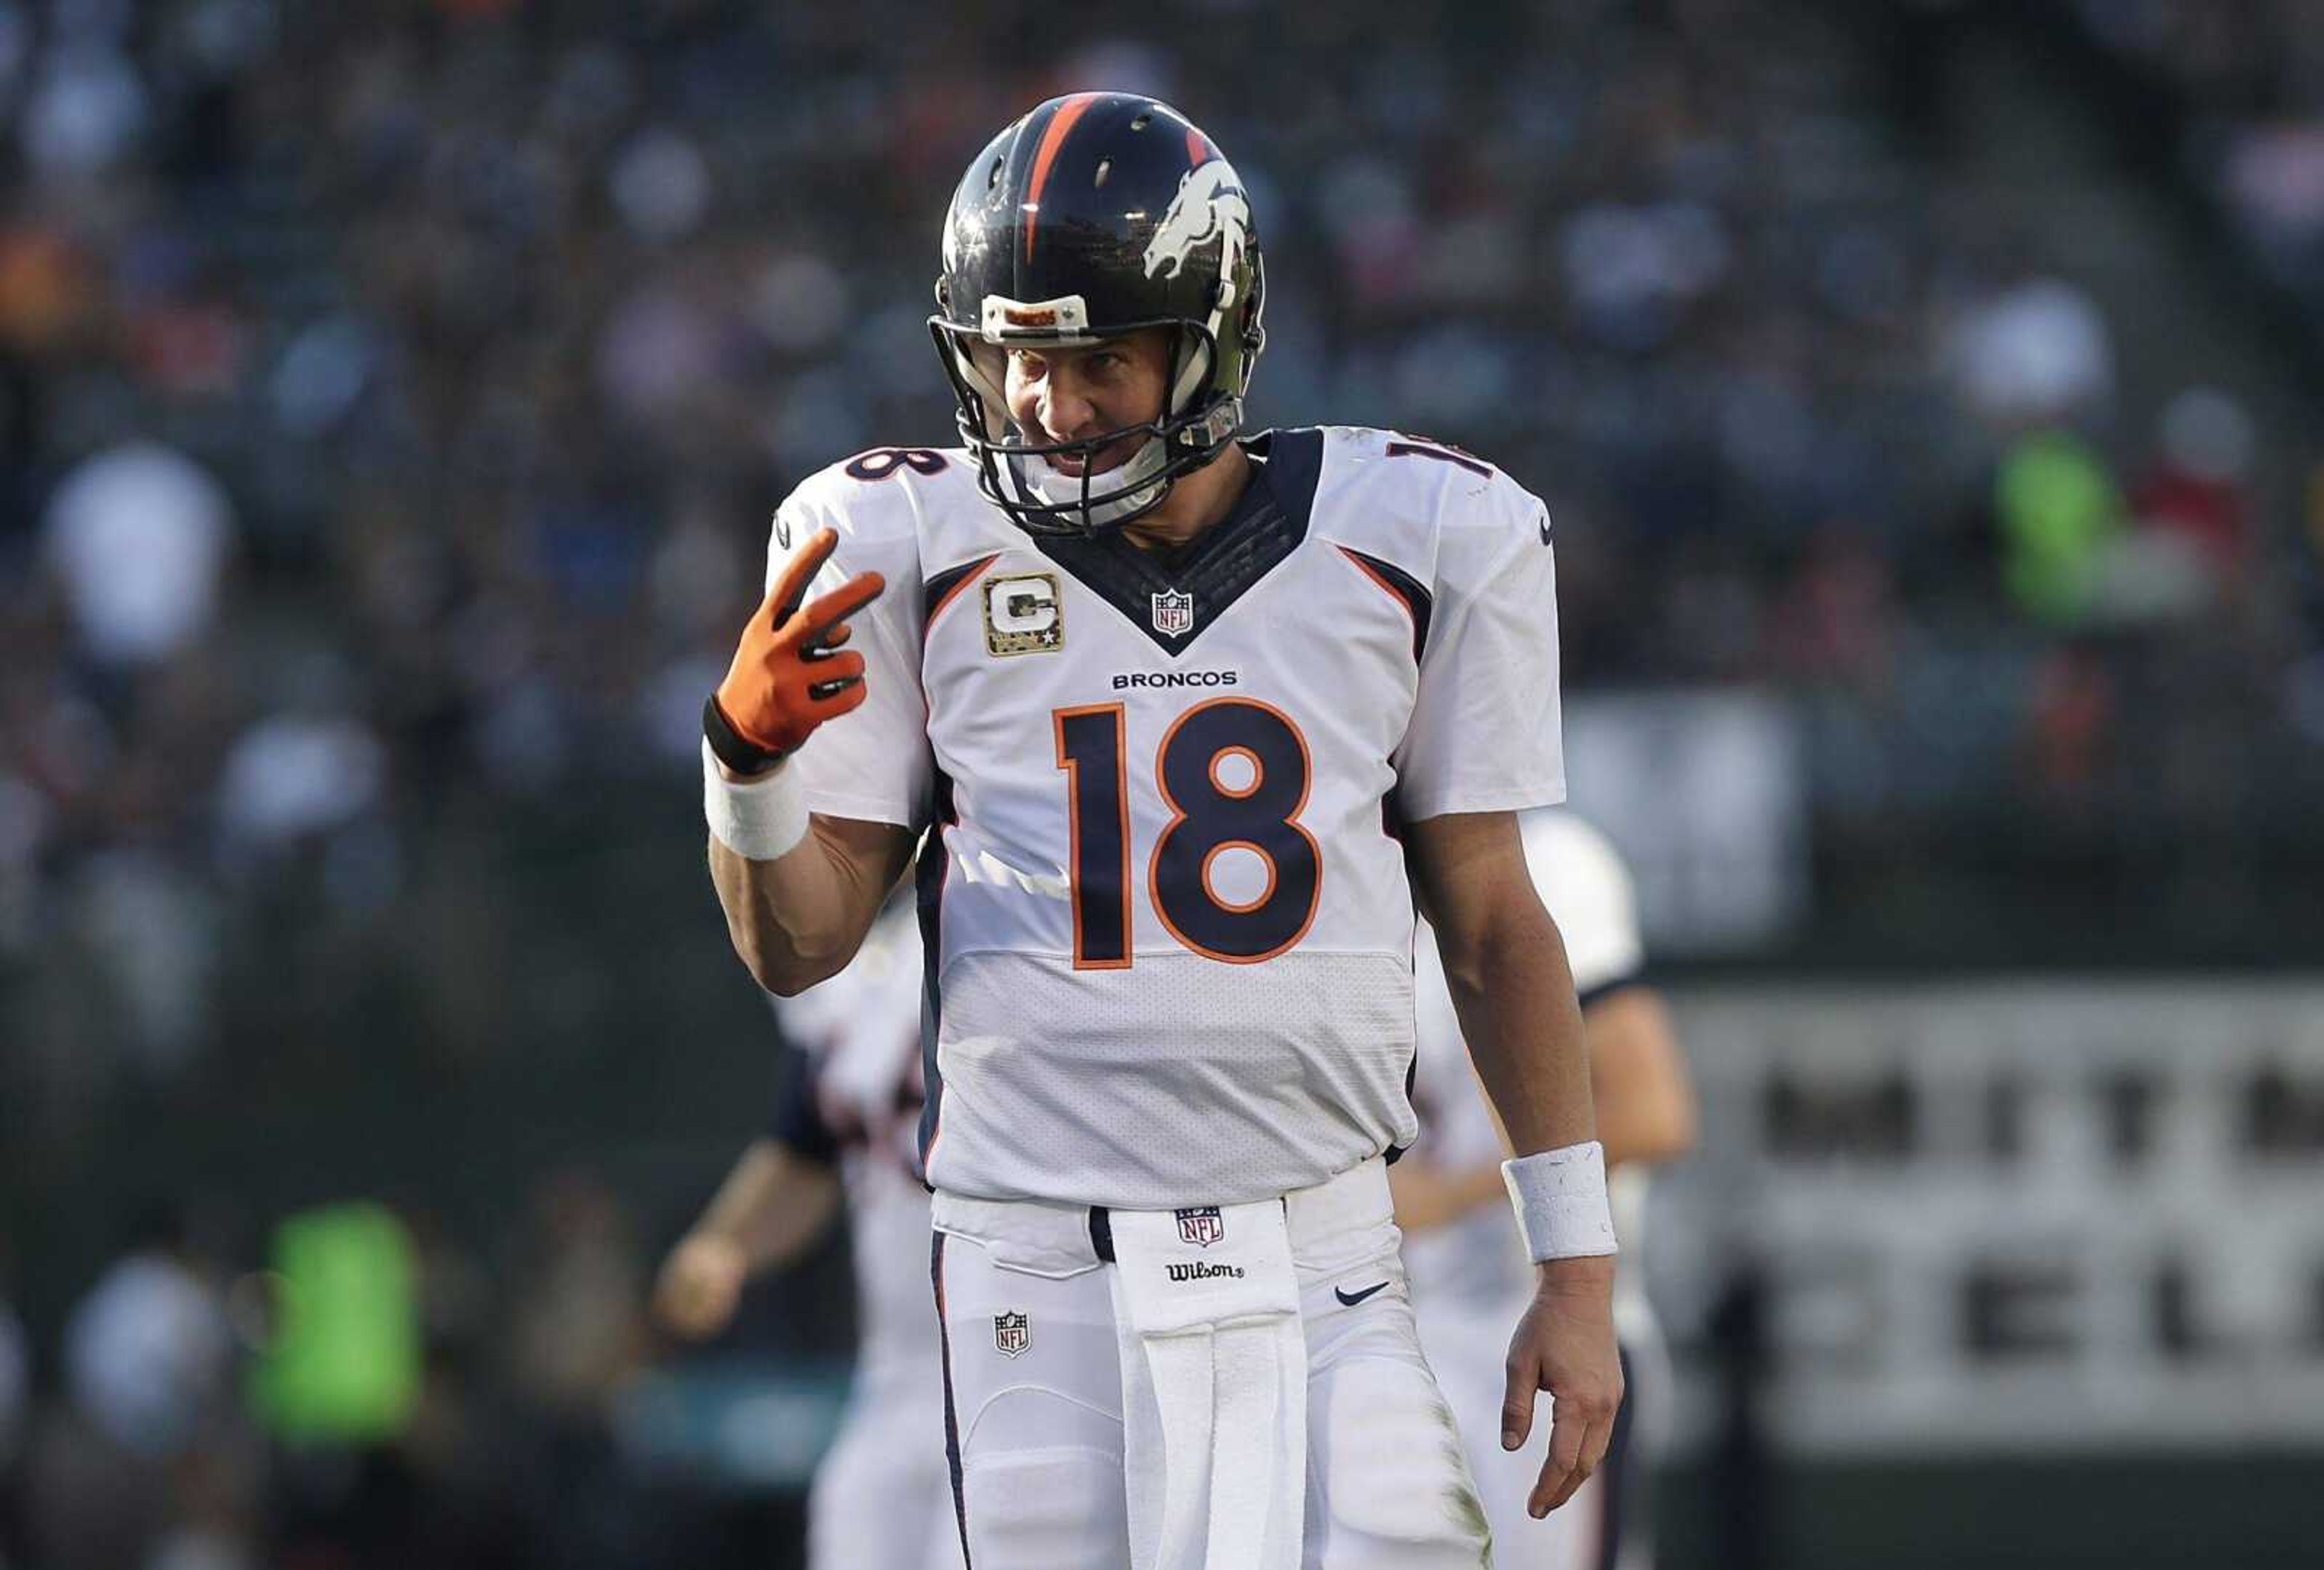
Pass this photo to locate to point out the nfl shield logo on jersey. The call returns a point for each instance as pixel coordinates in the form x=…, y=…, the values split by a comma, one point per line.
x=1202, y=1225
x=1011, y=1334
x=1173, y=613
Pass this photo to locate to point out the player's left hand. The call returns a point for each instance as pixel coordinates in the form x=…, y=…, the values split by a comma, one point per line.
x=1565, y=1345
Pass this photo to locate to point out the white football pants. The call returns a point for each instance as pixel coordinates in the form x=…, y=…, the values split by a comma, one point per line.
x=1034, y=1404
x=881, y=1497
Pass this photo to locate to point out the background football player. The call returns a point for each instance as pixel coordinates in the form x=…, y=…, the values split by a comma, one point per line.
x=881, y=1497
x=1468, y=1273
x=1190, y=718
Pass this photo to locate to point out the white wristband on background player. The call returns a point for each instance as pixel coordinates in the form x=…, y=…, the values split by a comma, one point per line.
x=757, y=819
x=1561, y=1202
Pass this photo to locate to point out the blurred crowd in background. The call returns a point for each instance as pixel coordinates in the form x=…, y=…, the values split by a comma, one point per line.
x=377, y=1397
x=2249, y=82
x=392, y=397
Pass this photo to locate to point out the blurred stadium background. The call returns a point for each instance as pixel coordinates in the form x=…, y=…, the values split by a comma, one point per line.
x=1931, y=399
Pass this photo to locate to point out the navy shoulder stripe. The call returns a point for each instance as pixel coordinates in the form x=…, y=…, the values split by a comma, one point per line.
x=1417, y=601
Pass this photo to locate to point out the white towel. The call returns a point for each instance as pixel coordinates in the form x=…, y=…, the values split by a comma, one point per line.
x=1213, y=1387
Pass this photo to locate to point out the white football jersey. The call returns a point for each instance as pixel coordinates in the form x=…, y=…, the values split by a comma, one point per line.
x=858, y=1102
x=1167, y=922
x=1478, y=1257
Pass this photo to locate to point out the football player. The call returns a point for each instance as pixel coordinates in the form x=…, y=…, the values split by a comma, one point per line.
x=846, y=1122
x=1190, y=718
x=1470, y=1277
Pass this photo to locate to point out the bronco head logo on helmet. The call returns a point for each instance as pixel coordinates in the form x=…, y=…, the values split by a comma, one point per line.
x=1210, y=201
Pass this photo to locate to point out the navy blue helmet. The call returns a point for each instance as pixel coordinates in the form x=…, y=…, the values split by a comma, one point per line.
x=1099, y=213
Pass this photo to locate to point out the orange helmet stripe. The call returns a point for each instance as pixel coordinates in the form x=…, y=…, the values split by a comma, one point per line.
x=1053, y=137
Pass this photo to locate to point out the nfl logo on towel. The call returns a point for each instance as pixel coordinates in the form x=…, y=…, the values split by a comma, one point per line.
x=1173, y=613
x=1202, y=1225
x=1011, y=1334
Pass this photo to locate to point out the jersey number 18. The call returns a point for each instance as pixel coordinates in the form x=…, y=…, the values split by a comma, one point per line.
x=1257, y=812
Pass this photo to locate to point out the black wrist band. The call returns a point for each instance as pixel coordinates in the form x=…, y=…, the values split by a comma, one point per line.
x=731, y=746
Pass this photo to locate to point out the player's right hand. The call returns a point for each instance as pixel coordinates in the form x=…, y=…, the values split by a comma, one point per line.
x=701, y=1282
x=789, y=673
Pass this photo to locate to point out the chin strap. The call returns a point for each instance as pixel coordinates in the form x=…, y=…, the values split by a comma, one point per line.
x=1110, y=497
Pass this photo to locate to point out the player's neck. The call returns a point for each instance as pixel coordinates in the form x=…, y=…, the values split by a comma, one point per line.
x=1195, y=503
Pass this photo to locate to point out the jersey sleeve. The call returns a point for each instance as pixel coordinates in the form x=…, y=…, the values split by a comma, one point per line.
x=1588, y=892
x=874, y=763
x=1484, y=731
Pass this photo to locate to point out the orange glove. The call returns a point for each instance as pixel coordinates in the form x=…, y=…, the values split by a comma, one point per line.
x=789, y=675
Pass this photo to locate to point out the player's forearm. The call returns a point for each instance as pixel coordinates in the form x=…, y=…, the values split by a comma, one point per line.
x=772, y=1204
x=796, y=920
x=799, y=892
x=1505, y=968
x=1514, y=993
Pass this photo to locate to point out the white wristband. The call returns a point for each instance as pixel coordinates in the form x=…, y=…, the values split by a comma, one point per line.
x=1561, y=1202
x=757, y=819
